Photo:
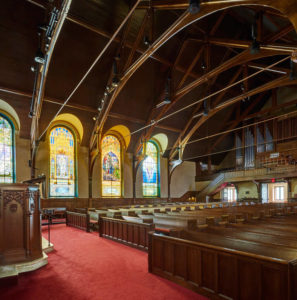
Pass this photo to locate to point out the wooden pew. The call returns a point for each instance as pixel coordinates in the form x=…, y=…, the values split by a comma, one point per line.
x=78, y=220
x=225, y=268
x=129, y=233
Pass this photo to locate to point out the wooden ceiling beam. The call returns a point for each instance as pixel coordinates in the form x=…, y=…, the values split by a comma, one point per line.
x=185, y=20
x=280, y=33
x=279, y=82
x=240, y=44
x=41, y=75
x=215, y=103
x=238, y=120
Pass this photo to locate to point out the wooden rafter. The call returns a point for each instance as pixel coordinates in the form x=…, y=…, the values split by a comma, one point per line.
x=282, y=81
x=238, y=120
x=41, y=76
x=287, y=7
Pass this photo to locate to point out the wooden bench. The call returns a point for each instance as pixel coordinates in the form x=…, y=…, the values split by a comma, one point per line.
x=129, y=233
x=225, y=268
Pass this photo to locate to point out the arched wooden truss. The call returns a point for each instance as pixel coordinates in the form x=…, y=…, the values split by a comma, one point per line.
x=287, y=8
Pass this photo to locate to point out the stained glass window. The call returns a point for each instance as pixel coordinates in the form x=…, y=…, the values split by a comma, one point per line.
x=111, y=166
x=62, y=163
x=6, y=151
x=150, y=171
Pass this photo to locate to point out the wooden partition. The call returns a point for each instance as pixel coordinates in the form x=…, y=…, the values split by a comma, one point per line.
x=78, y=220
x=126, y=232
x=222, y=273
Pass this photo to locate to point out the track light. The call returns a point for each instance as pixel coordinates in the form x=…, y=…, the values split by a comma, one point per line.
x=33, y=68
x=95, y=118
x=39, y=57
x=194, y=6
x=203, y=66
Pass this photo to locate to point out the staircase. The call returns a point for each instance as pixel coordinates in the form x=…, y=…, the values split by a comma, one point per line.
x=219, y=180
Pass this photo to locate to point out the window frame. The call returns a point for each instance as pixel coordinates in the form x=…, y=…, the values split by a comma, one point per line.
x=13, y=152
x=75, y=140
x=155, y=143
x=120, y=140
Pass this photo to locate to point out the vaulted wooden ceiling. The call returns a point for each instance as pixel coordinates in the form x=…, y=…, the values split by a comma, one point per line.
x=205, y=56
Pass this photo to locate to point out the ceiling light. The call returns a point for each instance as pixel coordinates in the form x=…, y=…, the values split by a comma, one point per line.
x=146, y=41
x=194, y=6
x=115, y=81
x=39, y=57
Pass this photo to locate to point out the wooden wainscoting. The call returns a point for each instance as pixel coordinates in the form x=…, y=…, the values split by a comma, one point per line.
x=221, y=273
x=126, y=232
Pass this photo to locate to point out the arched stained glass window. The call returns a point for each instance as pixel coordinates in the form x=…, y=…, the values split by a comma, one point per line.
x=6, y=151
x=111, y=167
x=150, y=171
x=62, y=163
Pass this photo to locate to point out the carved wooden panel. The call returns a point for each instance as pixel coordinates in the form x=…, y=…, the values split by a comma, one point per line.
x=20, y=232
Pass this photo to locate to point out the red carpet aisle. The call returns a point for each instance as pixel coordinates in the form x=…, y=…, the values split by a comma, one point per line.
x=84, y=266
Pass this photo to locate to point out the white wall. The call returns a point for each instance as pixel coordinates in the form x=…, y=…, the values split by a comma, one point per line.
x=183, y=179
x=22, y=156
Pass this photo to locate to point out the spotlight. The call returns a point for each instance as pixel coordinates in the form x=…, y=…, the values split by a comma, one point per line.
x=39, y=57
x=203, y=66
x=33, y=69
x=105, y=94
x=242, y=88
x=115, y=81
x=146, y=41
x=99, y=108
x=95, y=118
x=194, y=6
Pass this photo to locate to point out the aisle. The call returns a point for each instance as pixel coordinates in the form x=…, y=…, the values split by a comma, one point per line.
x=84, y=266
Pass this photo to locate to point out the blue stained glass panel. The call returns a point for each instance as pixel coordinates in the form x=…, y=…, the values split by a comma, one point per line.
x=6, y=151
x=150, y=171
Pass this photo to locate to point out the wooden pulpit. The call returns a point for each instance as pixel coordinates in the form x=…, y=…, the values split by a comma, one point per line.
x=20, y=228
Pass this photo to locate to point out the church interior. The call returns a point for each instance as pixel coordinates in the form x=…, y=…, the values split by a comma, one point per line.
x=148, y=149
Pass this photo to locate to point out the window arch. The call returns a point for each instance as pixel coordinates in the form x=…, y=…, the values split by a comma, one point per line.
x=62, y=162
x=111, y=170
x=150, y=171
x=7, y=161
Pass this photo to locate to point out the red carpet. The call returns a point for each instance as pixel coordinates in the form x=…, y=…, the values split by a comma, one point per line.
x=84, y=266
